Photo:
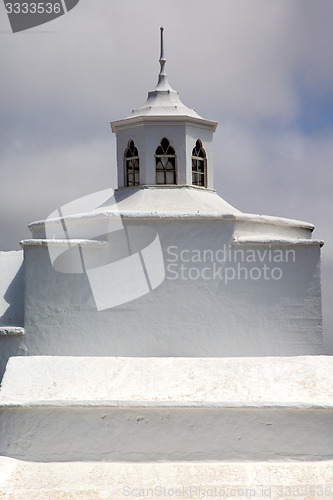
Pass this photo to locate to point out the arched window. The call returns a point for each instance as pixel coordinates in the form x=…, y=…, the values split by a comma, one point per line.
x=165, y=161
x=132, y=168
x=199, y=165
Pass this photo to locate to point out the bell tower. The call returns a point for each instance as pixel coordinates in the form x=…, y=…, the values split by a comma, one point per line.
x=164, y=143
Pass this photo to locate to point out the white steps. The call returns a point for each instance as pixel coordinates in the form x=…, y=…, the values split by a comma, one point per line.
x=167, y=409
x=114, y=481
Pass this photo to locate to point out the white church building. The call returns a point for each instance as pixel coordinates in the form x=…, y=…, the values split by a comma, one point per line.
x=159, y=335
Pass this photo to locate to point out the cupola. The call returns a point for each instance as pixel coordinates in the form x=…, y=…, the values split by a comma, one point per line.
x=164, y=143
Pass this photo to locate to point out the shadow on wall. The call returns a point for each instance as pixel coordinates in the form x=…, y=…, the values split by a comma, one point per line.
x=327, y=286
x=14, y=296
x=12, y=316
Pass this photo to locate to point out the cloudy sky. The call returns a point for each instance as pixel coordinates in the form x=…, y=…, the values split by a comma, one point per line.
x=262, y=68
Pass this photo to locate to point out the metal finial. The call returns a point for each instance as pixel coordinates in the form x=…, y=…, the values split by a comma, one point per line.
x=162, y=59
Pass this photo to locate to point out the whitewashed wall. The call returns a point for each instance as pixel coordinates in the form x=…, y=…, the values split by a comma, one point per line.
x=11, y=305
x=208, y=316
x=182, y=137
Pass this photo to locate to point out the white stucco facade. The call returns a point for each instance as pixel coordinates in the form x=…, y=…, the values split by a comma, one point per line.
x=11, y=288
x=11, y=306
x=182, y=132
x=223, y=293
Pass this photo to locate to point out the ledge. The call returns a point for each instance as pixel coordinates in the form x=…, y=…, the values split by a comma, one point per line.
x=164, y=186
x=133, y=404
x=175, y=214
x=45, y=242
x=11, y=331
x=109, y=213
x=248, y=240
x=158, y=118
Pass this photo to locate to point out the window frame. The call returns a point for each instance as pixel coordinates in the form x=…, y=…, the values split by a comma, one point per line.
x=164, y=170
x=135, y=169
x=195, y=159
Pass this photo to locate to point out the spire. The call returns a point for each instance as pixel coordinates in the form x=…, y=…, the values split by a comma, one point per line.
x=163, y=100
x=162, y=59
x=162, y=83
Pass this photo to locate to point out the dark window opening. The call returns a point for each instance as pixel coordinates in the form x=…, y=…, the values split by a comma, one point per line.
x=165, y=161
x=132, y=166
x=199, y=163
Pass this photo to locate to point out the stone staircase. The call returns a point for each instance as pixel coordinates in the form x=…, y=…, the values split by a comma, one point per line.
x=74, y=427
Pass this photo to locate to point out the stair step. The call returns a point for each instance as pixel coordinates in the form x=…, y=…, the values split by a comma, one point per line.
x=170, y=409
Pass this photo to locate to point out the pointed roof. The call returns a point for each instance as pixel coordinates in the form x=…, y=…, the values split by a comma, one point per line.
x=163, y=100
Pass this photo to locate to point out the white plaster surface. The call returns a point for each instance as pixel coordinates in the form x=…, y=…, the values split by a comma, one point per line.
x=207, y=316
x=183, y=202
x=21, y=480
x=109, y=432
x=11, y=289
x=11, y=306
x=303, y=380
x=182, y=133
x=71, y=409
